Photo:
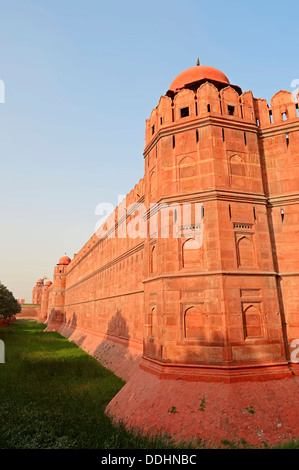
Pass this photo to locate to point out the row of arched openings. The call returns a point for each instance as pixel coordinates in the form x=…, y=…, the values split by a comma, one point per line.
x=195, y=327
x=187, y=170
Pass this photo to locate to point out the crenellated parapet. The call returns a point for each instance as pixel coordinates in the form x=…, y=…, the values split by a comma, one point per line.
x=284, y=109
x=193, y=105
x=208, y=100
x=278, y=128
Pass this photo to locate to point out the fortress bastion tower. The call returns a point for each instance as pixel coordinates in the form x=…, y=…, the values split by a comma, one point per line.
x=44, y=302
x=55, y=295
x=37, y=291
x=216, y=306
x=221, y=316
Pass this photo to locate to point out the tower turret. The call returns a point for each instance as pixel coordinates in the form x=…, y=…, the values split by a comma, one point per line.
x=44, y=302
x=57, y=295
x=210, y=302
x=37, y=291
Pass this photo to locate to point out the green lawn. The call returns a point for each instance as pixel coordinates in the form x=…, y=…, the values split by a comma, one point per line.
x=53, y=396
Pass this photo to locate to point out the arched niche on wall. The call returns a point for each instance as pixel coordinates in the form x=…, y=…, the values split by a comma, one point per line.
x=252, y=323
x=245, y=251
x=194, y=328
x=186, y=173
x=237, y=171
x=191, y=253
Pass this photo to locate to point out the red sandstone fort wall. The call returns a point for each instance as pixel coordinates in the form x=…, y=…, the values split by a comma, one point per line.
x=104, y=289
x=99, y=296
x=224, y=310
x=224, y=304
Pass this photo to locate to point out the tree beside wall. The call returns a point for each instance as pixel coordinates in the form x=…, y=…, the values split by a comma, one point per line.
x=9, y=306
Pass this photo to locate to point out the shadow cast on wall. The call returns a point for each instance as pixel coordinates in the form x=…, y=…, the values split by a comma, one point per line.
x=112, y=348
x=118, y=326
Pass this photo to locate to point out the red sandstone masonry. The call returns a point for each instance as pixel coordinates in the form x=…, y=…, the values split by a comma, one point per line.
x=37, y=291
x=29, y=312
x=228, y=311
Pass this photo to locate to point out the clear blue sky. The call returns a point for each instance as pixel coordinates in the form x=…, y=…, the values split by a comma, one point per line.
x=81, y=77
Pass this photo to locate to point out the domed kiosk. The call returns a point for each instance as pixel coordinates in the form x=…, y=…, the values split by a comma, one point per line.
x=194, y=76
x=64, y=261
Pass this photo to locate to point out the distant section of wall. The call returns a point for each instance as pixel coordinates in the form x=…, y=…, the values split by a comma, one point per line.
x=97, y=299
x=29, y=311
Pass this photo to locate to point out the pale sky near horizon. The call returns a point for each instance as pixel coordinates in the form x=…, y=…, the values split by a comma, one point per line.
x=80, y=79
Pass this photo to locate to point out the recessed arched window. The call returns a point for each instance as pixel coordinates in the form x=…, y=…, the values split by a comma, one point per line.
x=186, y=168
x=252, y=322
x=237, y=170
x=245, y=250
x=194, y=324
x=237, y=166
x=191, y=253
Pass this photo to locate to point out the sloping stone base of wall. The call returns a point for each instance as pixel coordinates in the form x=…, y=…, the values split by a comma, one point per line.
x=259, y=412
